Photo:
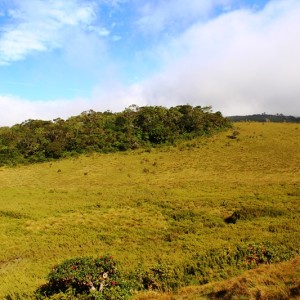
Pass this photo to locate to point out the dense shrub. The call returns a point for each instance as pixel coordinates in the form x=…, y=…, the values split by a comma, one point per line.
x=250, y=213
x=252, y=255
x=161, y=277
x=86, y=278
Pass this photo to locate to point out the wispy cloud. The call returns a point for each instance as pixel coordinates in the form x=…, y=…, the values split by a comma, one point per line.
x=37, y=26
x=160, y=15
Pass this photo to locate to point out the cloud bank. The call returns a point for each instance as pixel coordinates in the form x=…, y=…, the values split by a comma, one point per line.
x=242, y=62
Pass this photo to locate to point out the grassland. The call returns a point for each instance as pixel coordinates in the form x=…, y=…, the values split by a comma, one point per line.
x=167, y=204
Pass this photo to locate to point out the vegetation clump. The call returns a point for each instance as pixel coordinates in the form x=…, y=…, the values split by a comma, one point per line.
x=86, y=278
x=250, y=213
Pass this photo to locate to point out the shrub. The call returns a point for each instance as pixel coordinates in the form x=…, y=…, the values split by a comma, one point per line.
x=250, y=213
x=234, y=135
x=252, y=255
x=85, y=278
x=161, y=277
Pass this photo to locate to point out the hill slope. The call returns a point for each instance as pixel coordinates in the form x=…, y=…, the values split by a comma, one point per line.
x=165, y=206
x=278, y=281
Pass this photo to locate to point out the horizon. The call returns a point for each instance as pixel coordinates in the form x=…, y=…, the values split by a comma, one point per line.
x=60, y=58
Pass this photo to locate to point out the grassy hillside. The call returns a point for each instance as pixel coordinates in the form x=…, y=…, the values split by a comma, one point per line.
x=278, y=281
x=163, y=206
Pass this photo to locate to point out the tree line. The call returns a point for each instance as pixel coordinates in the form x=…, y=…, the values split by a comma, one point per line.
x=135, y=127
x=265, y=118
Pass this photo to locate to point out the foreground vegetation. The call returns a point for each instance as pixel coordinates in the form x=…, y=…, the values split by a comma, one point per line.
x=203, y=211
x=278, y=281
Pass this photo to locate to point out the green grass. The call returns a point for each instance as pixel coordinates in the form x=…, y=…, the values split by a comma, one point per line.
x=166, y=204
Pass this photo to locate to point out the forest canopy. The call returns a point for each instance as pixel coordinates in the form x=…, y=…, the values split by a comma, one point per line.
x=135, y=127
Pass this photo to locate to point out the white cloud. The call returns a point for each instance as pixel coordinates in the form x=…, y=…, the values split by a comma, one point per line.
x=115, y=96
x=241, y=62
x=100, y=31
x=16, y=110
x=40, y=25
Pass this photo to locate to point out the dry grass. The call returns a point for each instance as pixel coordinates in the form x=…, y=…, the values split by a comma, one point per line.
x=123, y=203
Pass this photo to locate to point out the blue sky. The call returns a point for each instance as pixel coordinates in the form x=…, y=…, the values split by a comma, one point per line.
x=61, y=57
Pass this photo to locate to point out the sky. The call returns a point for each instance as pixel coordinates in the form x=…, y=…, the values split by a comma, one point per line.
x=59, y=58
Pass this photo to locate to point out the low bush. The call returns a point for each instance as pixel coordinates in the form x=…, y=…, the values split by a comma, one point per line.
x=85, y=278
x=250, y=213
x=251, y=255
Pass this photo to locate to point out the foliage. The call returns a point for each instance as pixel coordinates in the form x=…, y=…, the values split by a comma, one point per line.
x=86, y=278
x=37, y=140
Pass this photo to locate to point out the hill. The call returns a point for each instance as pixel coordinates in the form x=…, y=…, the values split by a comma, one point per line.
x=157, y=211
x=265, y=118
